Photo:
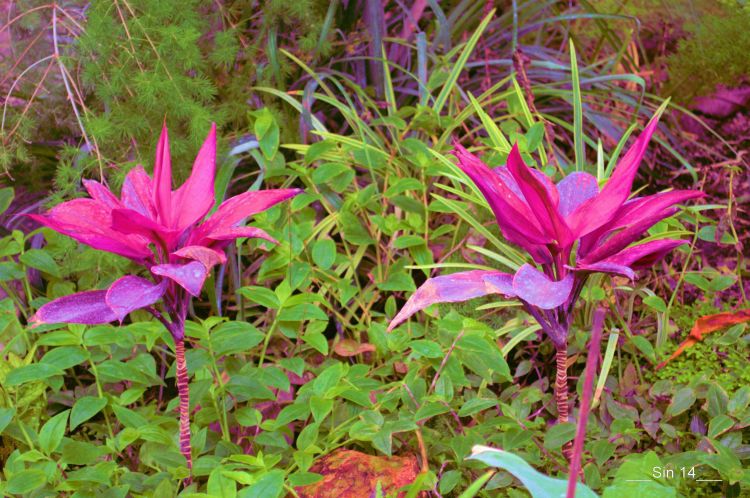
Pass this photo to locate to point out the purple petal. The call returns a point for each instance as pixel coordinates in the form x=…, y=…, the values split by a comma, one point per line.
x=600, y=209
x=539, y=290
x=574, y=190
x=88, y=308
x=137, y=192
x=606, y=267
x=453, y=288
x=205, y=255
x=100, y=193
x=514, y=217
x=130, y=293
x=189, y=276
x=127, y=221
x=195, y=197
x=237, y=232
x=542, y=198
x=633, y=258
x=636, y=211
x=232, y=211
x=163, y=179
x=89, y=222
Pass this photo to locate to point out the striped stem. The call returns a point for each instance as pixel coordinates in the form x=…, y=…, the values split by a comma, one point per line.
x=561, y=392
x=184, y=392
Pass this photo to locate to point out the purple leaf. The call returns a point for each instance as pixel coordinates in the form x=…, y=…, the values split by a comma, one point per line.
x=189, y=276
x=600, y=209
x=130, y=293
x=195, y=197
x=129, y=222
x=453, y=288
x=633, y=258
x=205, y=255
x=89, y=221
x=88, y=308
x=513, y=215
x=237, y=232
x=605, y=266
x=101, y=194
x=137, y=193
x=232, y=211
x=539, y=290
x=542, y=199
x=162, y=194
x=574, y=190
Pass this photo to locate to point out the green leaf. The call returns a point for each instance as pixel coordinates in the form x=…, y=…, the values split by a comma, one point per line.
x=235, y=337
x=719, y=425
x=85, y=408
x=579, y=145
x=538, y=484
x=221, y=486
x=558, y=435
x=270, y=485
x=655, y=303
x=52, y=432
x=26, y=481
x=681, y=401
x=41, y=260
x=261, y=295
x=324, y=253
x=30, y=373
x=6, y=415
x=6, y=197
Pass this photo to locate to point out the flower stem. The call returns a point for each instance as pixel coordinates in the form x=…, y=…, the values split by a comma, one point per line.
x=561, y=392
x=184, y=392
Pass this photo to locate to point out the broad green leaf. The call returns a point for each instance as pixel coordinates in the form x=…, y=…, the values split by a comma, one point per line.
x=235, y=337
x=538, y=484
x=41, y=260
x=30, y=373
x=26, y=481
x=6, y=197
x=52, y=432
x=681, y=401
x=85, y=408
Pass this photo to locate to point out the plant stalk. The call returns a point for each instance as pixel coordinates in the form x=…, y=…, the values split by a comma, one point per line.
x=561, y=392
x=184, y=392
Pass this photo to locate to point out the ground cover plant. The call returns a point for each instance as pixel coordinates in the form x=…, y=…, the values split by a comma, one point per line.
x=573, y=240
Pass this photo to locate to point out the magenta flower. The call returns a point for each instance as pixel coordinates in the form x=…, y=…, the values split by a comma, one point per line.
x=164, y=231
x=570, y=229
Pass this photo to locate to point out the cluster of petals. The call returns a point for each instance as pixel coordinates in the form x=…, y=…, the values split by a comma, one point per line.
x=570, y=229
x=164, y=230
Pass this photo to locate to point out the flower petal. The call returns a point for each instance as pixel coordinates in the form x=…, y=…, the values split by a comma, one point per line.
x=127, y=221
x=102, y=194
x=633, y=258
x=130, y=293
x=189, y=276
x=88, y=308
x=539, y=290
x=454, y=288
x=515, y=219
x=89, y=222
x=235, y=209
x=237, y=232
x=542, y=199
x=137, y=192
x=205, y=255
x=575, y=189
x=162, y=194
x=195, y=197
x=606, y=267
x=600, y=209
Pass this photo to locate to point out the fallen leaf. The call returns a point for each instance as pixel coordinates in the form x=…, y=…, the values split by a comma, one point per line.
x=351, y=474
x=705, y=325
x=350, y=347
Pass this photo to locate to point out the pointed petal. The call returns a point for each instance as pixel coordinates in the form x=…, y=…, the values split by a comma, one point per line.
x=130, y=293
x=507, y=178
x=163, y=179
x=514, y=217
x=127, y=221
x=189, y=276
x=195, y=197
x=606, y=267
x=626, y=236
x=633, y=258
x=453, y=288
x=100, y=193
x=88, y=308
x=232, y=211
x=542, y=199
x=600, y=209
x=237, y=232
x=89, y=222
x=208, y=257
x=636, y=211
x=137, y=192
x=574, y=190
x=539, y=290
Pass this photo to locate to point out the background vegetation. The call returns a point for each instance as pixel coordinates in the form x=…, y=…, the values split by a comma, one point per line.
x=357, y=102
